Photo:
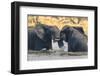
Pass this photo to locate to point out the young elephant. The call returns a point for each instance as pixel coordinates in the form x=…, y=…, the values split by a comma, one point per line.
x=41, y=37
x=77, y=40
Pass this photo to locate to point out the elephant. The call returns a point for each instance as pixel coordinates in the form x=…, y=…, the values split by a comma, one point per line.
x=80, y=29
x=41, y=37
x=75, y=37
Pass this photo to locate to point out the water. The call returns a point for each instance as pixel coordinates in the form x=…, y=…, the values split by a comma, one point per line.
x=56, y=47
x=65, y=47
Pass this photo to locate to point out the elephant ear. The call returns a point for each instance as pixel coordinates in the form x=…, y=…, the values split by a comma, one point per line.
x=80, y=29
x=40, y=32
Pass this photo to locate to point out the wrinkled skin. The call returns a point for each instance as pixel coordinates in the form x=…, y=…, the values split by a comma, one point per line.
x=41, y=37
x=80, y=29
x=76, y=38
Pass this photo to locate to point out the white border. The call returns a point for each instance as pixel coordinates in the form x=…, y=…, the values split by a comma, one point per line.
x=26, y=65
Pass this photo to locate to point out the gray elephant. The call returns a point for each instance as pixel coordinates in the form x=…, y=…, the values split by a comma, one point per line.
x=80, y=29
x=41, y=37
x=76, y=38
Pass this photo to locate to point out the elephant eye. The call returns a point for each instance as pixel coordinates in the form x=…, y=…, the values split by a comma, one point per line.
x=40, y=30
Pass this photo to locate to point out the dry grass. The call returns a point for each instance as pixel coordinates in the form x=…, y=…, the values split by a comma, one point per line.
x=59, y=21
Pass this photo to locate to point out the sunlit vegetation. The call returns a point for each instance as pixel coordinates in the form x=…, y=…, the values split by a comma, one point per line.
x=59, y=21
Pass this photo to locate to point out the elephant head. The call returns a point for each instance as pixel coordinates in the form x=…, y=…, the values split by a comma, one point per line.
x=55, y=32
x=75, y=37
x=67, y=30
x=43, y=31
